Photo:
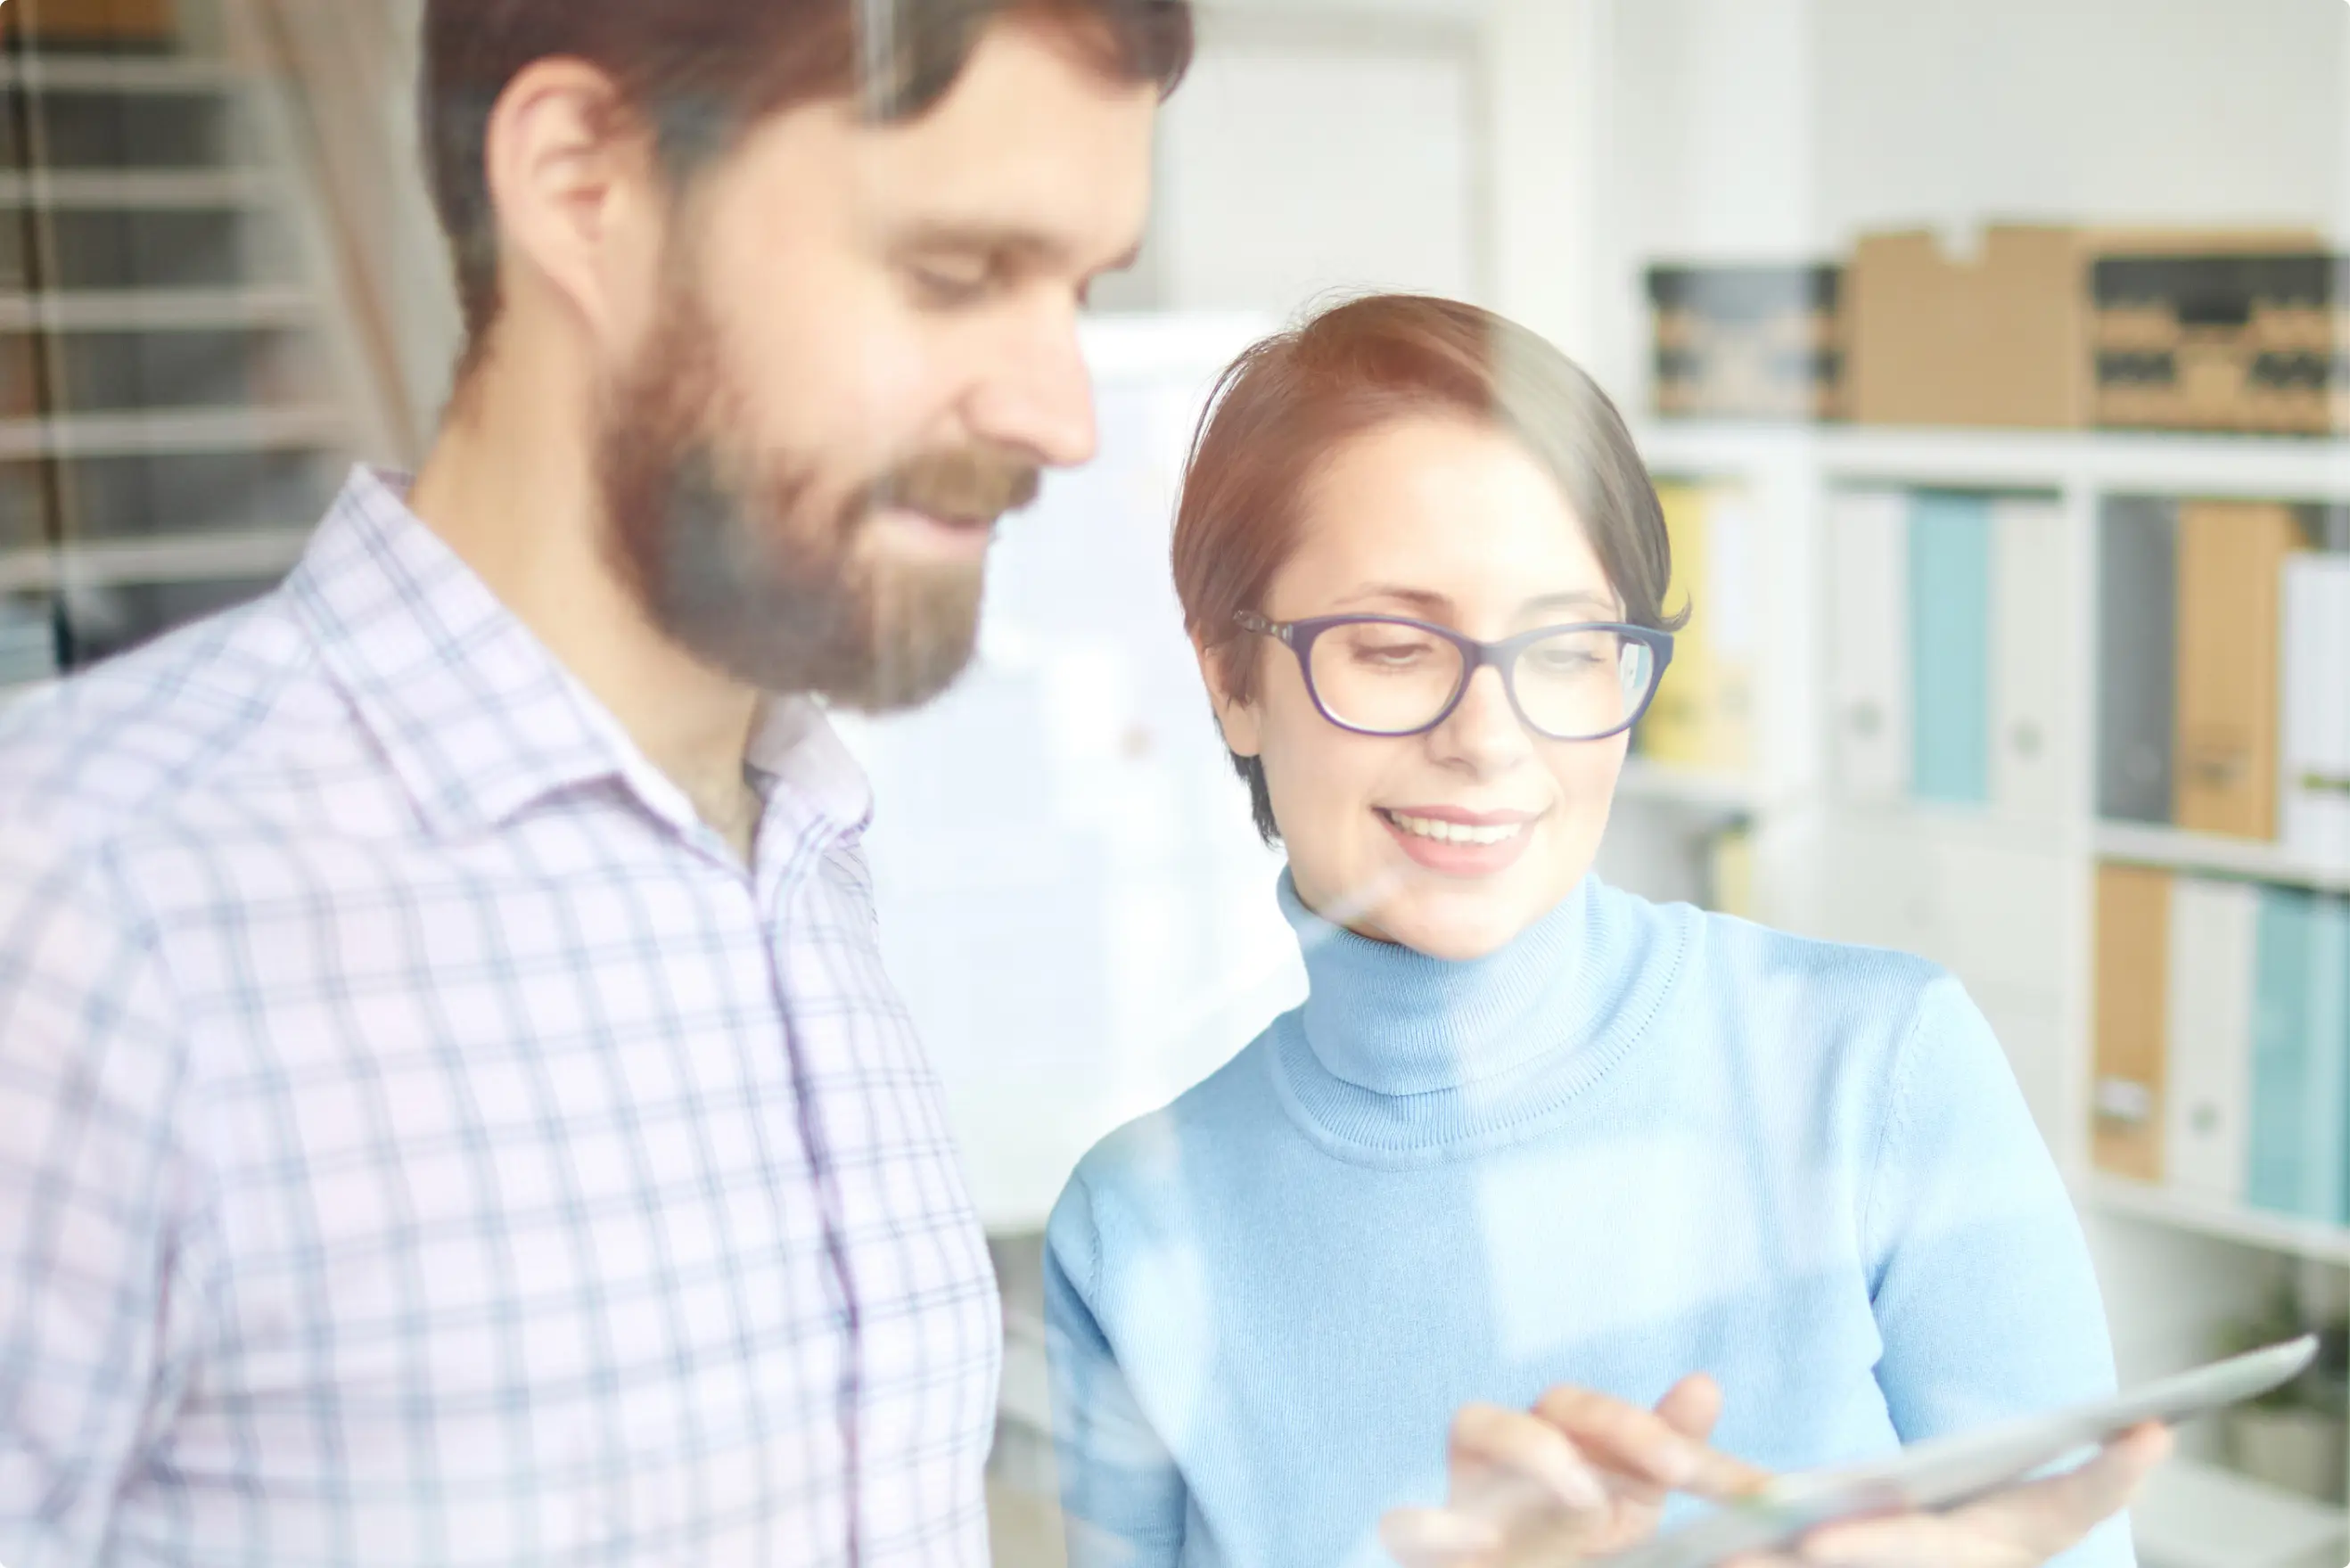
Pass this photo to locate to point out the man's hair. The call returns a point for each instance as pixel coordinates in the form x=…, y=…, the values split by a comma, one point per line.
x=1288, y=404
x=701, y=72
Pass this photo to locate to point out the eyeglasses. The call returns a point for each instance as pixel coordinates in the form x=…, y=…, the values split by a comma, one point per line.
x=1384, y=675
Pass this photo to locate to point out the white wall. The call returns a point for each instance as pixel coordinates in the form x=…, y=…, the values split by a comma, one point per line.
x=1617, y=132
x=1310, y=153
x=1781, y=128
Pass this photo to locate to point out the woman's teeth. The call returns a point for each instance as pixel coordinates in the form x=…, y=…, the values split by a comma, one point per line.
x=1455, y=832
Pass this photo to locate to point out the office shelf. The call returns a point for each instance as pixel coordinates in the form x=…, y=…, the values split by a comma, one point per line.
x=2228, y=1223
x=1727, y=792
x=2211, y=854
x=2102, y=462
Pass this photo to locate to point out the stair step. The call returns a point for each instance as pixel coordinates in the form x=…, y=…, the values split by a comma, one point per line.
x=51, y=72
x=194, y=558
x=150, y=430
x=155, y=310
x=142, y=188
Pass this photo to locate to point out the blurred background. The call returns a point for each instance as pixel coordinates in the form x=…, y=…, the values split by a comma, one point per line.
x=1994, y=362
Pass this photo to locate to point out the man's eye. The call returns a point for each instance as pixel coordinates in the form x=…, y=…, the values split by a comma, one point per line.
x=948, y=288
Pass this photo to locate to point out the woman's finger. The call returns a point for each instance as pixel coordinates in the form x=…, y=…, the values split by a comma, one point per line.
x=1644, y=1446
x=1439, y=1538
x=1692, y=1407
x=1490, y=1441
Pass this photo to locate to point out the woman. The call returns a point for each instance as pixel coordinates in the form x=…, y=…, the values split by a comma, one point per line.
x=1527, y=1130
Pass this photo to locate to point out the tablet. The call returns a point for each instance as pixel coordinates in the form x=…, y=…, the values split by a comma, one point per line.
x=1944, y=1472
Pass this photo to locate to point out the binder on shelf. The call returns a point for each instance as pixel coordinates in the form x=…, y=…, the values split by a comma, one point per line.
x=2132, y=1035
x=2208, y=1067
x=1703, y=717
x=2030, y=607
x=1868, y=545
x=2138, y=596
x=2327, y=1102
x=2313, y=807
x=2293, y=1164
x=2232, y=559
x=1949, y=652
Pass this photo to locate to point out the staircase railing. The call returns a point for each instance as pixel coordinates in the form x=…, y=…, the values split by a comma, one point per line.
x=348, y=71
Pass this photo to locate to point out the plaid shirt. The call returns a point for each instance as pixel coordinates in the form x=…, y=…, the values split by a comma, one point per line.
x=422, y=1141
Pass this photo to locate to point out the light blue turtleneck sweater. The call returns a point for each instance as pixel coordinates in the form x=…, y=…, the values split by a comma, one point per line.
x=1639, y=1142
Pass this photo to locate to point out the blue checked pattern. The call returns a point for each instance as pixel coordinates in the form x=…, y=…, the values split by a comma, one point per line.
x=421, y=1142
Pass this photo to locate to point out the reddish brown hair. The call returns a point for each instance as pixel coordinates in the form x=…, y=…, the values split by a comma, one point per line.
x=701, y=72
x=1290, y=402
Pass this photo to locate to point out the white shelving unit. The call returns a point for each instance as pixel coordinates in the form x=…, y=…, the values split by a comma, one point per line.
x=2137, y=844
x=2328, y=1244
x=2005, y=900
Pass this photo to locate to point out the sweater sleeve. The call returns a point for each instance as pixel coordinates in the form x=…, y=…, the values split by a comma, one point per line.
x=1979, y=1276
x=1122, y=1497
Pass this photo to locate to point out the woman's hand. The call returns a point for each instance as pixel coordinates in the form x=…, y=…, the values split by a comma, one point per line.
x=2019, y=1528
x=1580, y=1476
x=1585, y=1475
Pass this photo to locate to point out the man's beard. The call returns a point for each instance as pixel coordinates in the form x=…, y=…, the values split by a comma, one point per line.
x=735, y=563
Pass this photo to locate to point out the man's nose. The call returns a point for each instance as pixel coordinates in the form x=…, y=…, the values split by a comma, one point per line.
x=1037, y=397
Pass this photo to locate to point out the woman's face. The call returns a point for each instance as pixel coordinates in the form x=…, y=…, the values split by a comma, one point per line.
x=1444, y=520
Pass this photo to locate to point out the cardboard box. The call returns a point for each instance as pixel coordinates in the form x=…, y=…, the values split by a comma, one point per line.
x=2005, y=336
x=1747, y=341
x=93, y=22
x=2222, y=342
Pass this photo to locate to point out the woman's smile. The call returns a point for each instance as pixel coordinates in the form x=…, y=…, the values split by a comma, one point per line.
x=1457, y=842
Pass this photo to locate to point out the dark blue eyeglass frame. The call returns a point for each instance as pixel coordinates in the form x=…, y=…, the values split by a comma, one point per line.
x=1299, y=636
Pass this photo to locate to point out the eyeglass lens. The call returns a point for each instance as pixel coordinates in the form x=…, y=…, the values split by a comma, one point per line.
x=1388, y=678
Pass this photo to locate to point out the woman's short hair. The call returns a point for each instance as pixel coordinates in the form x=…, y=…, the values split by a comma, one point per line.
x=1289, y=403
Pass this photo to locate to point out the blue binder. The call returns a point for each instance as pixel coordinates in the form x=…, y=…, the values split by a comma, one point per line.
x=2328, y=1107
x=2284, y=1156
x=1950, y=629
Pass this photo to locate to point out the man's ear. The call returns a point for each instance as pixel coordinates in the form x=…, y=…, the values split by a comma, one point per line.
x=579, y=197
x=1237, y=718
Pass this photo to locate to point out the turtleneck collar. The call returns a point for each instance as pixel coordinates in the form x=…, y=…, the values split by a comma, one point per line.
x=1385, y=1018
x=1398, y=1051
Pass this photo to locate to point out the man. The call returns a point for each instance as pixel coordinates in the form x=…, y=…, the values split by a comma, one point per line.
x=450, y=1109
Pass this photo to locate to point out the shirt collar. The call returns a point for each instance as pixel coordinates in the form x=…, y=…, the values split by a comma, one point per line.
x=795, y=746
x=476, y=716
